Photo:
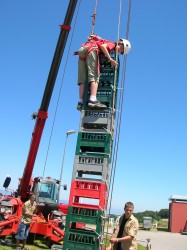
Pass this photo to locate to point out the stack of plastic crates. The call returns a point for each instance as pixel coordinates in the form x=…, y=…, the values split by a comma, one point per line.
x=89, y=187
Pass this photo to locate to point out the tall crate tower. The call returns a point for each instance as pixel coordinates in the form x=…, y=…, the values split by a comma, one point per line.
x=91, y=171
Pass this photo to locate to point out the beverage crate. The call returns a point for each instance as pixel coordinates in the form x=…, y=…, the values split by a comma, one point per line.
x=107, y=96
x=93, y=167
x=106, y=81
x=87, y=216
x=94, y=143
x=104, y=62
x=87, y=190
x=107, y=85
x=99, y=121
x=76, y=239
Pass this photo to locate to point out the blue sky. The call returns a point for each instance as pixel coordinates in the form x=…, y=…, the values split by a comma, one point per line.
x=152, y=155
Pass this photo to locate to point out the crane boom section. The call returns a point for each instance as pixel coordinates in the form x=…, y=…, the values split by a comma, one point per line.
x=42, y=114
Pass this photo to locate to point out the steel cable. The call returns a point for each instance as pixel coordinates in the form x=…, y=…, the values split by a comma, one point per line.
x=59, y=93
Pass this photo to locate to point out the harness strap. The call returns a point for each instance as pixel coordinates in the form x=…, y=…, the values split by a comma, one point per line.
x=91, y=46
x=82, y=58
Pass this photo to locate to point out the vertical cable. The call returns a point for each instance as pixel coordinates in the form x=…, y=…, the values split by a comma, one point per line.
x=94, y=17
x=118, y=122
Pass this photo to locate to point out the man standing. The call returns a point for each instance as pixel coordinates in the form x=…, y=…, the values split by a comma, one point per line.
x=124, y=237
x=29, y=209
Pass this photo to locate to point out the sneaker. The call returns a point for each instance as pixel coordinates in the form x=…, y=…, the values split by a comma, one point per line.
x=79, y=106
x=96, y=104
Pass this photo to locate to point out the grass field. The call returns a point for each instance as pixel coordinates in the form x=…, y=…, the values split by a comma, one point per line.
x=140, y=247
x=31, y=247
x=39, y=244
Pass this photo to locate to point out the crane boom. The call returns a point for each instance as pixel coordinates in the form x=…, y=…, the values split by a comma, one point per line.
x=42, y=113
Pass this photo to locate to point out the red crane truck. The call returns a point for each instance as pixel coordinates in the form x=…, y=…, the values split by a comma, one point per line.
x=49, y=221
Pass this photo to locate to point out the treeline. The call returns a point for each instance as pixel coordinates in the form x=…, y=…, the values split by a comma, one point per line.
x=156, y=215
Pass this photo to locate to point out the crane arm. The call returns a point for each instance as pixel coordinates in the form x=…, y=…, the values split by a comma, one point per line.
x=42, y=113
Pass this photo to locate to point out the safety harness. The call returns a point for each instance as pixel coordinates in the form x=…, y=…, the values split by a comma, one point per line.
x=92, y=43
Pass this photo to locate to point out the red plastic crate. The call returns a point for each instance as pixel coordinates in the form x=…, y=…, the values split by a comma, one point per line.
x=90, y=190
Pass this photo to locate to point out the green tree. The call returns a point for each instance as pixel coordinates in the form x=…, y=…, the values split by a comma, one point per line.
x=164, y=213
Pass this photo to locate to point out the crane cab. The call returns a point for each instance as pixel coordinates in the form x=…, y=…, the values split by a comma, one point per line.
x=47, y=195
x=46, y=190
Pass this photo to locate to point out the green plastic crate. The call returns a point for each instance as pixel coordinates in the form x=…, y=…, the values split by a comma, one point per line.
x=76, y=239
x=94, y=143
x=86, y=216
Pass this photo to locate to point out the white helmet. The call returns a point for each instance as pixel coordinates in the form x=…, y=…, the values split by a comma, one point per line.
x=126, y=45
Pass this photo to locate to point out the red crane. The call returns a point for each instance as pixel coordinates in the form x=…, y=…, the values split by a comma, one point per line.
x=49, y=222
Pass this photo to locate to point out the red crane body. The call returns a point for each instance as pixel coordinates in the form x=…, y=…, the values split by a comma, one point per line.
x=10, y=206
x=36, y=137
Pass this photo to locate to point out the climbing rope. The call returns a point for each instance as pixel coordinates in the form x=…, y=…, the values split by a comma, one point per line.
x=128, y=20
x=59, y=93
x=118, y=118
x=112, y=175
x=94, y=17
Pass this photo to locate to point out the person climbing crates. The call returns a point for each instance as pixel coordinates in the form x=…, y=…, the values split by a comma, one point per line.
x=88, y=65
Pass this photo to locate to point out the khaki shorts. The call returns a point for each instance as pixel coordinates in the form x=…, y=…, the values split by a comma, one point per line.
x=88, y=69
